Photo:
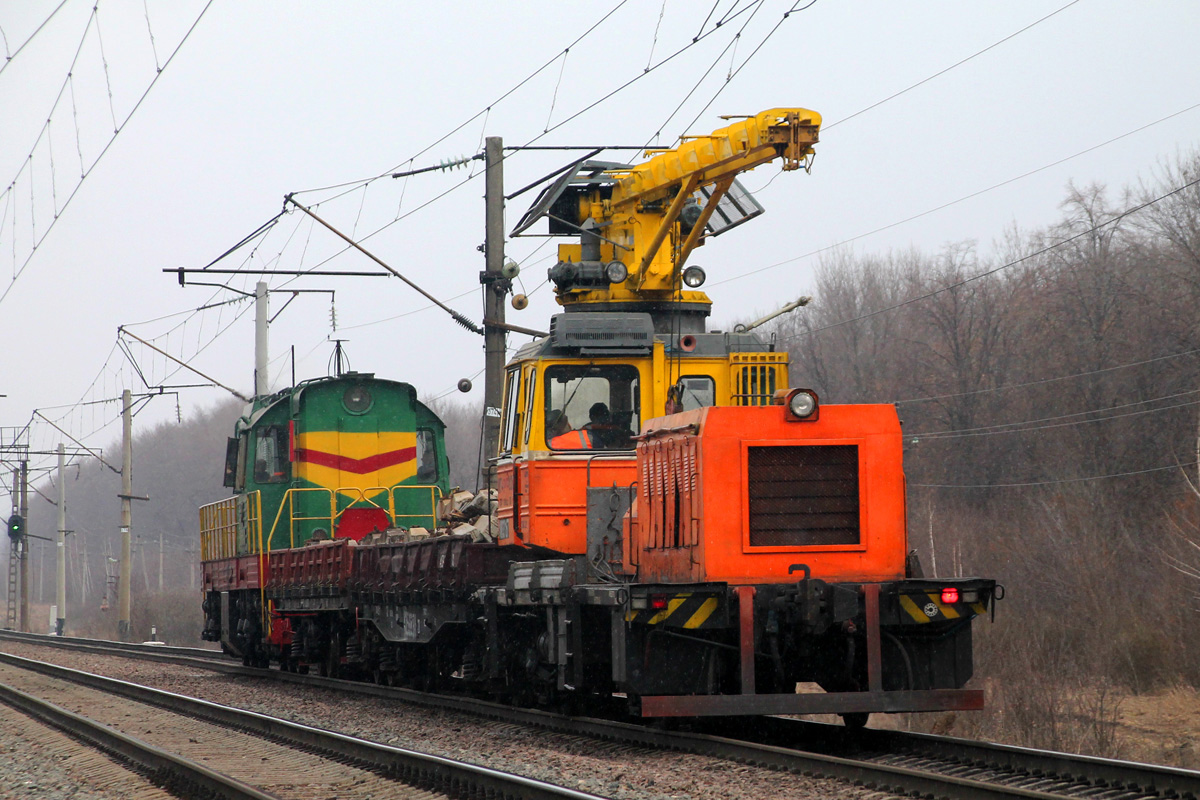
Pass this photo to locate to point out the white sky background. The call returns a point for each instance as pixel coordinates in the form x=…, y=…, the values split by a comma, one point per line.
x=269, y=98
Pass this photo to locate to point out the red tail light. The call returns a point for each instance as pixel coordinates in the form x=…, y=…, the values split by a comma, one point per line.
x=950, y=595
x=658, y=601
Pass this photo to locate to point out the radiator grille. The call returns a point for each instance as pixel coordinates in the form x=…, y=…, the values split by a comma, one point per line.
x=802, y=496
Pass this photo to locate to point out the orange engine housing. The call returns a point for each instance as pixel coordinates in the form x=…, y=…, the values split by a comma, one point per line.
x=747, y=495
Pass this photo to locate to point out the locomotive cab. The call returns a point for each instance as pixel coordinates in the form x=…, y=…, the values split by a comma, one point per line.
x=331, y=459
x=576, y=402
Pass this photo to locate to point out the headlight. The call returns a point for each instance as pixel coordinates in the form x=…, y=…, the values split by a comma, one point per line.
x=616, y=272
x=693, y=277
x=357, y=399
x=802, y=404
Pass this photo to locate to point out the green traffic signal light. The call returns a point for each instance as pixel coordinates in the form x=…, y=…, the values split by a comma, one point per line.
x=16, y=526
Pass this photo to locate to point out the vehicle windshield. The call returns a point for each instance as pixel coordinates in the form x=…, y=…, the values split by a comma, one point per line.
x=591, y=407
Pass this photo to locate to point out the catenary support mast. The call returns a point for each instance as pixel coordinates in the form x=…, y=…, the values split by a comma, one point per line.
x=123, y=626
x=494, y=285
x=26, y=560
x=60, y=594
x=261, y=314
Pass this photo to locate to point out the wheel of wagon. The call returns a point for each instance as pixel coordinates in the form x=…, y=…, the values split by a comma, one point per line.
x=856, y=720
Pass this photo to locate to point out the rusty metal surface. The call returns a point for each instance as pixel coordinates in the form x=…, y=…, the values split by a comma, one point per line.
x=829, y=703
x=745, y=596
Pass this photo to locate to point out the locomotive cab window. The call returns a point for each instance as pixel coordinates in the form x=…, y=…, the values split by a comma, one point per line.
x=591, y=407
x=530, y=395
x=426, y=456
x=271, y=455
x=231, y=462
x=697, y=391
x=512, y=418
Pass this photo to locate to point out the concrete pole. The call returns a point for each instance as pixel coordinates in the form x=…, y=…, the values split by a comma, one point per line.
x=126, y=564
x=26, y=554
x=493, y=295
x=60, y=594
x=261, y=315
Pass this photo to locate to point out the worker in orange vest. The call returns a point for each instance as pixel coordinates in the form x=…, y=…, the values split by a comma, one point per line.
x=573, y=440
x=589, y=437
x=560, y=436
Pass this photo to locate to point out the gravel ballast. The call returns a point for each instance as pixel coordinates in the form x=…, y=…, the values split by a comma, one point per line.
x=603, y=768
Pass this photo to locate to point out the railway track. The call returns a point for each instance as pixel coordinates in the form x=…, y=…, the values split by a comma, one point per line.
x=900, y=762
x=201, y=749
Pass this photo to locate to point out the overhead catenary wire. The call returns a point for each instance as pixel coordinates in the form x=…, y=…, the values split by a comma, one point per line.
x=956, y=64
x=1049, y=482
x=8, y=58
x=457, y=317
x=1041, y=381
x=38, y=240
x=479, y=113
x=944, y=206
x=1010, y=427
x=536, y=138
x=734, y=72
x=714, y=6
x=354, y=184
x=1040, y=251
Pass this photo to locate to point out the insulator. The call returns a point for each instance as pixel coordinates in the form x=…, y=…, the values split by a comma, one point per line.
x=466, y=323
x=333, y=317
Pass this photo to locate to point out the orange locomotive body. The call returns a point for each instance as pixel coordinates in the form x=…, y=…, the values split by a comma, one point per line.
x=736, y=553
x=738, y=494
x=705, y=541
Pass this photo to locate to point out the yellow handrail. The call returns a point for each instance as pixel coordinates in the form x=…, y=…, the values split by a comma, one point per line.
x=221, y=522
x=225, y=522
x=435, y=494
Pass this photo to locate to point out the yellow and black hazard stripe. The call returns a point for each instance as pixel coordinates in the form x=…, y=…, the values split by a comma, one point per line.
x=928, y=607
x=688, y=610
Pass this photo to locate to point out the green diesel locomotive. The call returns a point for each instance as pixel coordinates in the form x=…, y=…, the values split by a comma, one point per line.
x=333, y=459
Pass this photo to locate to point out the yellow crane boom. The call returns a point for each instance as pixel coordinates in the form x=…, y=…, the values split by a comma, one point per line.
x=654, y=204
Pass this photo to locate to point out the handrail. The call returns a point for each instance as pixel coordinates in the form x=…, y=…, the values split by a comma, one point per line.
x=221, y=522
x=362, y=496
x=435, y=494
x=289, y=501
x=619, y=455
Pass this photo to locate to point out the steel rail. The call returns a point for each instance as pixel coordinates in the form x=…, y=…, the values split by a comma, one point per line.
x=409, y=766
x=1153, y=779
x=167, y=769
x=773, y=743
x=107, y=646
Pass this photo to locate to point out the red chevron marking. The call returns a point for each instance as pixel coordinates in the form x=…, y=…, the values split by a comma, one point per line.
x=358, y=466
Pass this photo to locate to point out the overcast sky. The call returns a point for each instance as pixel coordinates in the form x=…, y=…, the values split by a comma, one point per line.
x=263, y=99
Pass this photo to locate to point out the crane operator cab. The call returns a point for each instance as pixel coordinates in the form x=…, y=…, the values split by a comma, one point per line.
x=631, y=343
